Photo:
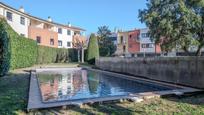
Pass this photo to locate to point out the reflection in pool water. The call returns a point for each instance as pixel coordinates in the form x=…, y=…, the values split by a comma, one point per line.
x=83, y=84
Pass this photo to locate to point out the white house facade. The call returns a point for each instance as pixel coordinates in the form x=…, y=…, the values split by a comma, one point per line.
x=65, y=36
x=17, y=20
x=146, y=45
x=45, y=32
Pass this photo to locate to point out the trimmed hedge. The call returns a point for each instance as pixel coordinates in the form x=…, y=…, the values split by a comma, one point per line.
x=55, y=55
x=23, y=51
x=46, y=55
x=4, y=49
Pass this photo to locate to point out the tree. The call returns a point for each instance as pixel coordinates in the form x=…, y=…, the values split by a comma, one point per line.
x=103, y=33
x=79, y=43
x=93, y=50
x=175, y=23
x=106, y=45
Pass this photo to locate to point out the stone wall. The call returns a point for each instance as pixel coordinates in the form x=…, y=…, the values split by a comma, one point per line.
x=188, y=71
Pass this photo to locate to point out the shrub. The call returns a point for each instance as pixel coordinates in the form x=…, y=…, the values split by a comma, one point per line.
x=4, y=49
x=93, y=50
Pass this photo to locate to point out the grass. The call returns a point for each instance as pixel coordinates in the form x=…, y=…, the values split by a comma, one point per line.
x=14, y=95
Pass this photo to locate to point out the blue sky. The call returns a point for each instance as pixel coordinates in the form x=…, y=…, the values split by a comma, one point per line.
x=88, y=14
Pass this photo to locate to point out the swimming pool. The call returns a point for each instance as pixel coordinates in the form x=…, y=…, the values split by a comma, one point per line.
x=79, y=84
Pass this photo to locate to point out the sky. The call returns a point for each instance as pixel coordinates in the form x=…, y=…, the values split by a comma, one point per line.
x=87, y=14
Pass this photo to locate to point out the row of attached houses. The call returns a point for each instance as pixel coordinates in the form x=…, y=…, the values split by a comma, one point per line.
x=45, y=32
x=130, y=43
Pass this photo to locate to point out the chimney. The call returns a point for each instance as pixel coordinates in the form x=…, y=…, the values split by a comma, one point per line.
x=69, y=24
x=22, y=9
x=49, y=19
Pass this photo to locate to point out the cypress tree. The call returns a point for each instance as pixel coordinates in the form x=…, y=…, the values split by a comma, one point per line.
x=93, y=49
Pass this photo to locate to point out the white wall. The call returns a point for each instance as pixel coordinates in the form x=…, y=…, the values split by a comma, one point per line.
x=64, y=37
x=15, y=23
x=146, y=40
x=1, y=11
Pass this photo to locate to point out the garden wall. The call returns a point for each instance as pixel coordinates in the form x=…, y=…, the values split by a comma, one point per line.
x=187, y=71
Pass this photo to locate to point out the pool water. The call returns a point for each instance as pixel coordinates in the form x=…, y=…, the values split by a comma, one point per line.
x=84, y=84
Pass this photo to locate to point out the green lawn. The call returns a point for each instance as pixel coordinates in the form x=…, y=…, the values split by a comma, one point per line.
x=14, y=94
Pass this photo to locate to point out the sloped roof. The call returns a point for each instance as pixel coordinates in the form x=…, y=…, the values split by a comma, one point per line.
x=40, y=19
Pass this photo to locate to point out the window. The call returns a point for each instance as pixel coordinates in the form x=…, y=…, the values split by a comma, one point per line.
x=60, y=30
x=52, y=81
x=52, y=42
x=38, y=39
x=137, y=38
x=68, y=32
x=22, y=20
x=147, y=45
x=69, y=89
x=59, y=43
x=130, y=36
x=150, y=45
x=68, y=44
x=143, y=45
x=132, y=55
x=124, y=48
x=121, y=39
x=75, y=33
x=60, y=92
x=60, y=79
x=145, y=35
x=9, y=16
x=69, y=79
x=22, y=35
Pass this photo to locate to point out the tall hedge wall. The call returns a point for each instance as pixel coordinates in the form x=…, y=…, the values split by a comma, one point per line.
x=23, y=51
x=4, y=49
x=56, y=55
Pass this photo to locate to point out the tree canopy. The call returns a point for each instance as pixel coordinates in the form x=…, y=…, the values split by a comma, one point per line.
x=106, y=45
x=175, y=23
